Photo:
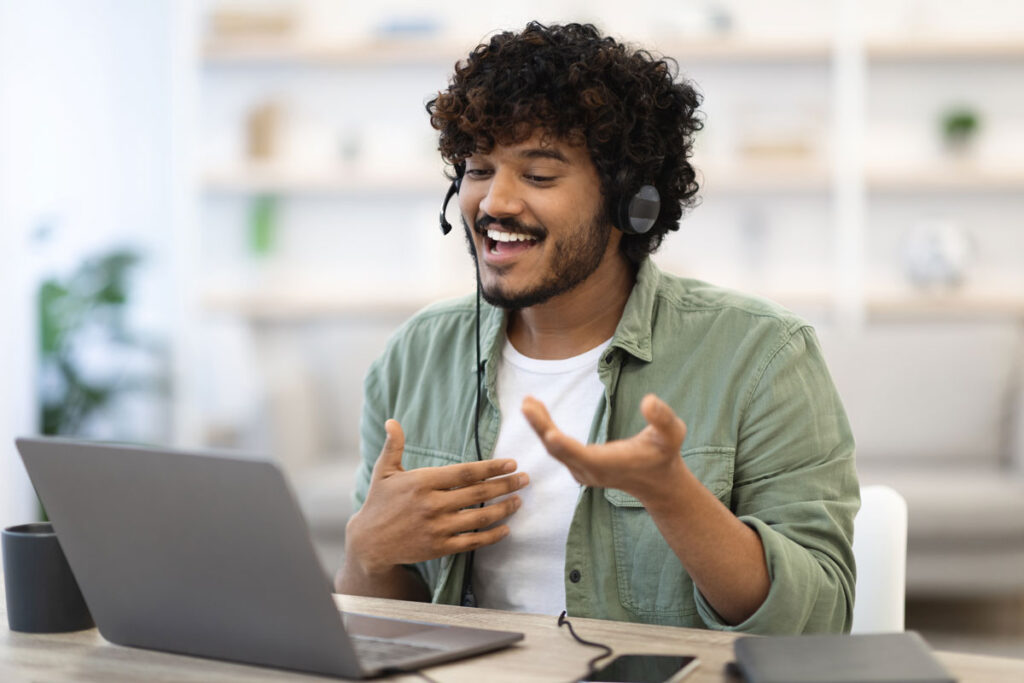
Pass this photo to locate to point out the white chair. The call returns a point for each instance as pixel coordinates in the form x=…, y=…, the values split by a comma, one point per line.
x=880, y=548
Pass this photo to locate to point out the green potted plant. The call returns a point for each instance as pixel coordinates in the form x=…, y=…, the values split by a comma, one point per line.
x=960, y=127
x=86, y=308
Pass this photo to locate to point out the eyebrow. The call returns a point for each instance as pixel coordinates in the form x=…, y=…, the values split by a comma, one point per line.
x=543, y=153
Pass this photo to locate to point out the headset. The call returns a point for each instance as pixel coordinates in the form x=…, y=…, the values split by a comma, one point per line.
x=635, y=215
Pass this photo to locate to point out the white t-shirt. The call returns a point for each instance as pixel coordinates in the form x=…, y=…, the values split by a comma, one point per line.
x=524, y=572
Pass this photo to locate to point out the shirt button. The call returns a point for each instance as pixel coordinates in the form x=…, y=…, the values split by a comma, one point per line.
x=575, y=576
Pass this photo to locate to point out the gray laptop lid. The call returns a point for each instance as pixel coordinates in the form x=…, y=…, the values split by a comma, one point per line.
x=199, y=554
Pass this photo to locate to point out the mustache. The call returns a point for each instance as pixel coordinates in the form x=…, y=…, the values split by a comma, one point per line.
x=510, y=224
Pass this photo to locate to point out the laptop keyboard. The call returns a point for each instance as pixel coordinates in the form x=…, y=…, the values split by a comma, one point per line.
x=375, y=652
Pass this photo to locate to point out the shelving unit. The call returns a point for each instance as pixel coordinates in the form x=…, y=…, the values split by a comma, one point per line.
x=977, y=190
x=350, y=214
x=729, y=181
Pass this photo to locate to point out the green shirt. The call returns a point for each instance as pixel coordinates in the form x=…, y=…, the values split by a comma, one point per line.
x=766, y=434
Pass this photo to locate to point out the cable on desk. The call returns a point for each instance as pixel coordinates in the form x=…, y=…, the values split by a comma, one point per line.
x=592, y=664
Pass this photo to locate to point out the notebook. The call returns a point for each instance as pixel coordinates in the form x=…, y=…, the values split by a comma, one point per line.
x=209, y=555
x=862, y=658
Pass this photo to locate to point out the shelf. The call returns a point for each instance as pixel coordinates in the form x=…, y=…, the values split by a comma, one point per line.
x=957, y=305
x=796, y=300
x=946, y=178
x=297, y=306
x=996, y=49
x=432, y=50
x=436, y=50
x=340, y=181
x=286, y=52
x=764, y=177
x=896, y=303
x=741, y=51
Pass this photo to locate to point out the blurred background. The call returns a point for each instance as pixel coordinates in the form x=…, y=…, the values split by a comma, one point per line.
x=213, y=214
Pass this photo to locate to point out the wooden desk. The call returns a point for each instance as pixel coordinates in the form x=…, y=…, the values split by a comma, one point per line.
x=547, y=654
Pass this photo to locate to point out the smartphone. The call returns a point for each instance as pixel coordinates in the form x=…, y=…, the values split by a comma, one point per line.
x=645, y=669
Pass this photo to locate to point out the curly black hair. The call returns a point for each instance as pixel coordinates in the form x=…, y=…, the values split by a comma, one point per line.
x=568, y=81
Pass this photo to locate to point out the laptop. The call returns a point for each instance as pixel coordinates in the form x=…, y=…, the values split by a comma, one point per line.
x=209, y=555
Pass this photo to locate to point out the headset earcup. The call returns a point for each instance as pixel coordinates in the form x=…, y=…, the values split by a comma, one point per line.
x=622, y=217
x=638, y=213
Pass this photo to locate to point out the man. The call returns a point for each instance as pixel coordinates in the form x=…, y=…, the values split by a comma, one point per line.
x=740, y=518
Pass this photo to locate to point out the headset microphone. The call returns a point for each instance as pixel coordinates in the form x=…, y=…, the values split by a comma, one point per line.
x=453, y=190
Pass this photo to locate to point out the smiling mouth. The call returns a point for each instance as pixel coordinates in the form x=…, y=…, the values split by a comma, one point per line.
x=499, y=242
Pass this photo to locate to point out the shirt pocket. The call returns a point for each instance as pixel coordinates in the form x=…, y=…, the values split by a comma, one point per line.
x=652, y=583
x=435, y=572
x=414, y=456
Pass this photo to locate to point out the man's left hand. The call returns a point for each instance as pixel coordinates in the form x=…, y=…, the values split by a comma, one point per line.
x=645, y=465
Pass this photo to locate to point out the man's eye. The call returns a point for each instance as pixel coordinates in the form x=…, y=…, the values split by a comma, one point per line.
x=540, y=178
x=477, y=172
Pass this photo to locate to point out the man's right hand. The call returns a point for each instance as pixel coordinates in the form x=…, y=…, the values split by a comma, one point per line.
x=426, y=513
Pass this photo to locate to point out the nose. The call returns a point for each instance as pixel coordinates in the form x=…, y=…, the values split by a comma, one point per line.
x=502, y=198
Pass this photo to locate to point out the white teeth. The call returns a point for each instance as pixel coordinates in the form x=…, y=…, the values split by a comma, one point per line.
x=501, y=236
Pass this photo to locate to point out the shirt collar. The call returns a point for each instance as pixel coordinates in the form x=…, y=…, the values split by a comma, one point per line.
x=632, y=334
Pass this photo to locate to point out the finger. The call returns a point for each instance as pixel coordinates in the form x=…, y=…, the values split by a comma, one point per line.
x=561, y=445
x=664, y=420
x=566, y=449
x=476, y=519
x=390, y=460
x=475, y=539
x=536, y=413
x=469, y=496
x=467, y=473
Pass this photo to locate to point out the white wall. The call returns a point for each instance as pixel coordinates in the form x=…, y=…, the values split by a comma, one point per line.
x=85, y=149
x=15, y=344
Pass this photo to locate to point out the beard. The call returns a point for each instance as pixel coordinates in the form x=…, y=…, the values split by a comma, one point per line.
x=573, y=258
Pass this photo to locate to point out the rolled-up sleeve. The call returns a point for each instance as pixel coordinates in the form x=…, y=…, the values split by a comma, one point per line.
x=795, y=484
x=371, y=432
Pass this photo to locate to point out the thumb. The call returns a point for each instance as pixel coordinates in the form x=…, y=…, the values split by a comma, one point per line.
x=664, y=420
x=390, y=460
x=537, y=415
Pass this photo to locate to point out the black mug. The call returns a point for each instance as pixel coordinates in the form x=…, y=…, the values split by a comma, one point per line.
x=42, y=594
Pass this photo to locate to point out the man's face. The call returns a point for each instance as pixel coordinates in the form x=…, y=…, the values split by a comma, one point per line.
x=538, y=223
